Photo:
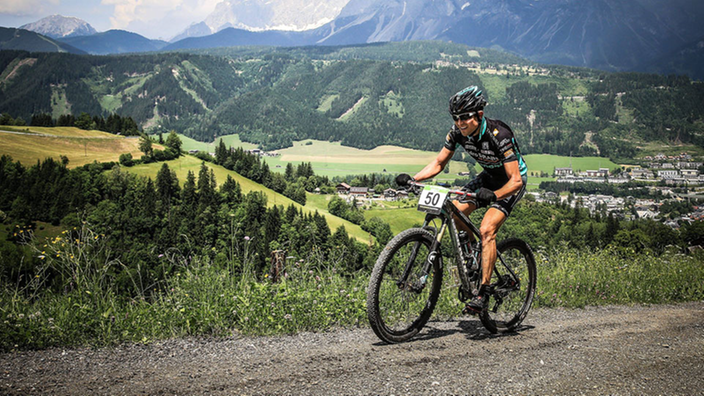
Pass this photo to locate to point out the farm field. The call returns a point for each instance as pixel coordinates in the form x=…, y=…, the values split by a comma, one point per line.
x=31, y=144
x=547, y=163
x=332, y=159
x=229, y=140
x=189, y=163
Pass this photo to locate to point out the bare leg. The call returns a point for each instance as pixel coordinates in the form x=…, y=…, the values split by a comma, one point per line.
x=493, y=219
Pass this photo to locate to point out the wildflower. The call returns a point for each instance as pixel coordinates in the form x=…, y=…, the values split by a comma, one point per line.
x=288, y=317
x=161, y=255
x=246, y=238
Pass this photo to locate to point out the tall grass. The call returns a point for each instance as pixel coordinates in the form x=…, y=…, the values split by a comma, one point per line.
x=199, y=299
x=203, y=299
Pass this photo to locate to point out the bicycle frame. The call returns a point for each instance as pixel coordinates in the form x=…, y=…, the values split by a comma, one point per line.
x=448, y=217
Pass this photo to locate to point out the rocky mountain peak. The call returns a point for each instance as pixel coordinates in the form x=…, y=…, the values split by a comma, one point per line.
x=58, y=26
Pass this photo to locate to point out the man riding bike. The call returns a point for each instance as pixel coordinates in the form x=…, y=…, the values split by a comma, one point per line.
x=500, y=185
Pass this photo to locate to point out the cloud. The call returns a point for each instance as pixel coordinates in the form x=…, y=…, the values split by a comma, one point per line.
x=24, y=7
x=157, y=17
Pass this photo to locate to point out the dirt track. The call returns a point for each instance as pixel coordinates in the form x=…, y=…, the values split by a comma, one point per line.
x=613, y=350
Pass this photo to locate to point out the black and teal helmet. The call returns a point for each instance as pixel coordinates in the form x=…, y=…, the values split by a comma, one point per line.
x=468, y=100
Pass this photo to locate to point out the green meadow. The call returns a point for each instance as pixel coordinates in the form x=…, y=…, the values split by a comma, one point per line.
x=209, y=147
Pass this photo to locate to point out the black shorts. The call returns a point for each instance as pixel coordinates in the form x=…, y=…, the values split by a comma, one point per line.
x=484, y=180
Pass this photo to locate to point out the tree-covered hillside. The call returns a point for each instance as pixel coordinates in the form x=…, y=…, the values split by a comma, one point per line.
x=363, y=96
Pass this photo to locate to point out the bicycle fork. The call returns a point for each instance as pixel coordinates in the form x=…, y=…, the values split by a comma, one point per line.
x=427, y=264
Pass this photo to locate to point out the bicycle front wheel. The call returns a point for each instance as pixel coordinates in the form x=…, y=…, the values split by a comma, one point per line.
x=513, y=280
x=402, y=295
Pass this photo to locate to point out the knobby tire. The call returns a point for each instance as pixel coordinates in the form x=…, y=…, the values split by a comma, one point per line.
x=519, y=256
x=397, y=312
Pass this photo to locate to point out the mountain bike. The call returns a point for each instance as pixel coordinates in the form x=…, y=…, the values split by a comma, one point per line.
x=407, y=278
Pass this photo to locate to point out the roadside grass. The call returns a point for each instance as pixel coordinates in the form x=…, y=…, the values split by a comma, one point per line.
x=204, y=299
x=573, y=278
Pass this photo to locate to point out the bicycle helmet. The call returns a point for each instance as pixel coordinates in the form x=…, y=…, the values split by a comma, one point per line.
x=466, y=101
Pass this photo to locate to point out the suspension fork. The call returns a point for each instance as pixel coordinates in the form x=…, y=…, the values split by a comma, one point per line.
x=430, y=260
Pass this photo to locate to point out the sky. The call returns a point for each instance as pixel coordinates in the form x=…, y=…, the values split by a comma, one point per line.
x=154, y=19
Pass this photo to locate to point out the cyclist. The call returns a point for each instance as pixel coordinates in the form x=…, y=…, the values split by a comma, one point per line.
x=500, y=185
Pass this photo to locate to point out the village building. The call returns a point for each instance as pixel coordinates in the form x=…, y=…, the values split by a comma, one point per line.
x=690, y=173
x=359, y=191
x=563, y=172
x=343, y=188
x=667, y=174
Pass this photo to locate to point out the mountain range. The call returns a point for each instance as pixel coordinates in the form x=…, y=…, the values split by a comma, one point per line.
x=659, y=36
x=363, y=96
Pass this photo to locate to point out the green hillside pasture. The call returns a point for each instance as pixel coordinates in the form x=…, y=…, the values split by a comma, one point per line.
x=393, y=103
x=326, y=103
x=399, y=219
x=59, y=102
x=229, y=140
x=547, y=163
x=655, y=148
x=79, y=146
x=496, y=84
x=332, y=159
x=189, y=163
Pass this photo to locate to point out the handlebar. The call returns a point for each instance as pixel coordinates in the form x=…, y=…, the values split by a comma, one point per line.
x=458, y=195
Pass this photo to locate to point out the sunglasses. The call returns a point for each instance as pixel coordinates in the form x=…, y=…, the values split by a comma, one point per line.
x=464, y=117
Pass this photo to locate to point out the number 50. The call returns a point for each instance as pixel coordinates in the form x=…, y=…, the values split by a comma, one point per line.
x=432, y=199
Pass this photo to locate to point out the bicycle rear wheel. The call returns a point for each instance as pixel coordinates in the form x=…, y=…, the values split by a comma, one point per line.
x=513, y=282
x=398, y=308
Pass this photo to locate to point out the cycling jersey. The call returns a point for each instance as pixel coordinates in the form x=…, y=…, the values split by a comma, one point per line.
x=494, y=146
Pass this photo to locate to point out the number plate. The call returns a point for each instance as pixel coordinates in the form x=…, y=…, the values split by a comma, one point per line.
x=432, y=198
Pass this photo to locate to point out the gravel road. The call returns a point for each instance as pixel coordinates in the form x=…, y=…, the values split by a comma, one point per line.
x=615, y=350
